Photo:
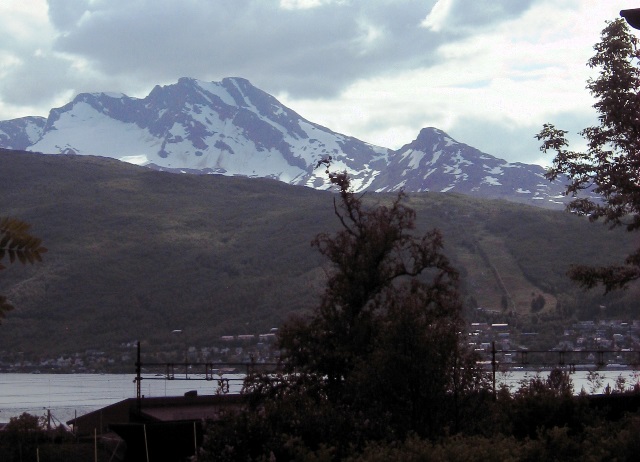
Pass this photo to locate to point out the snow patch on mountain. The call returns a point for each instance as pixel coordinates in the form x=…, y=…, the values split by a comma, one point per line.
x=493, y=170
x=233, y=128
x=492, y=181
x=88, y=131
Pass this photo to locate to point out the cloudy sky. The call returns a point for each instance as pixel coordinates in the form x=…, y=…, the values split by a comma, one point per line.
x=488, y=72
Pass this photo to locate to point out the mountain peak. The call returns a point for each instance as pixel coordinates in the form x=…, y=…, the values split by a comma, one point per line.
x=234, y=128
x=430, y=138
x=431, y=131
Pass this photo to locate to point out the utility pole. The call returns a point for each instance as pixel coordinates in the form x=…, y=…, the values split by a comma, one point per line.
x=138, y=380
x=493, y=367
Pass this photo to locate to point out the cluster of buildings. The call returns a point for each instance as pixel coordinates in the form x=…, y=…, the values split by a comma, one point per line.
x=227, y=349
x=608, y=342
x=605, y=343
x=89, y=361
x=606, y=335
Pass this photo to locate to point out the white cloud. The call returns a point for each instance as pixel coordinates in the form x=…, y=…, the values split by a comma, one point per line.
x=305, y=4
x=435, y=21
x=65, y=14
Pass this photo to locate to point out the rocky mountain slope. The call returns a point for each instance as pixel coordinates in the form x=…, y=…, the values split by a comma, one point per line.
x=233, y=128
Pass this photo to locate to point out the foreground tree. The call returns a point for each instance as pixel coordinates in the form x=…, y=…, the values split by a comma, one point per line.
x=611, y=165
x=369, y=256
x=21, y=436
x=385, y=338
x=382, y=356
x=17, y=244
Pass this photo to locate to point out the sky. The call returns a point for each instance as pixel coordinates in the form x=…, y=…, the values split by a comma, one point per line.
x=487, y=72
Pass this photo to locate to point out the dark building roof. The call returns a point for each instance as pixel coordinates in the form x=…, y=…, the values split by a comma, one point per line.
x=190, y=407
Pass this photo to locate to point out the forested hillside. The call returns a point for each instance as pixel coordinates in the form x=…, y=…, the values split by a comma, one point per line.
x=136, y=253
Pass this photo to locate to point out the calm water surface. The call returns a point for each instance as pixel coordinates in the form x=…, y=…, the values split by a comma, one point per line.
x=70, y=395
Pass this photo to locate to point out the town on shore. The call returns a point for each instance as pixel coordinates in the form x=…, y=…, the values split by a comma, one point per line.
x=603, y=343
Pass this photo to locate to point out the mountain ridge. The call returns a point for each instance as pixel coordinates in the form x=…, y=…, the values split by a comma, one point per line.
x=233, y=128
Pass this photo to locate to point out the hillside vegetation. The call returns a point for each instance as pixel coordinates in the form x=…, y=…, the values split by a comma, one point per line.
x=135, y=253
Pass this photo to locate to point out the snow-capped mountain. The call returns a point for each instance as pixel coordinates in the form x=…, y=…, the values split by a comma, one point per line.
x=436, y=162
x=233, y=128
x=21, y=133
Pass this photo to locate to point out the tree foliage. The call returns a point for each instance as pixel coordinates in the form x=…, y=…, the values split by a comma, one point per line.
x=372, y=253
x=25, y=423
x=610, y=167
x=383, y=354
x=537, y=303
x=17, y=244
x=389, y=321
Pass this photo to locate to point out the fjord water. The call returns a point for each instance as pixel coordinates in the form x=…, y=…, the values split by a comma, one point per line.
x=70, y=395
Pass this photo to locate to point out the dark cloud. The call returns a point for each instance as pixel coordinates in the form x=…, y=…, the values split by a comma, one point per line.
x=309, y=52
x=480, y=13
x=64, y=14
x=24, y=85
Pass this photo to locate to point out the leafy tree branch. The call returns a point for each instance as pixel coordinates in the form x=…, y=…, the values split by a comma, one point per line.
x=610, y=167
x=17, y=244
